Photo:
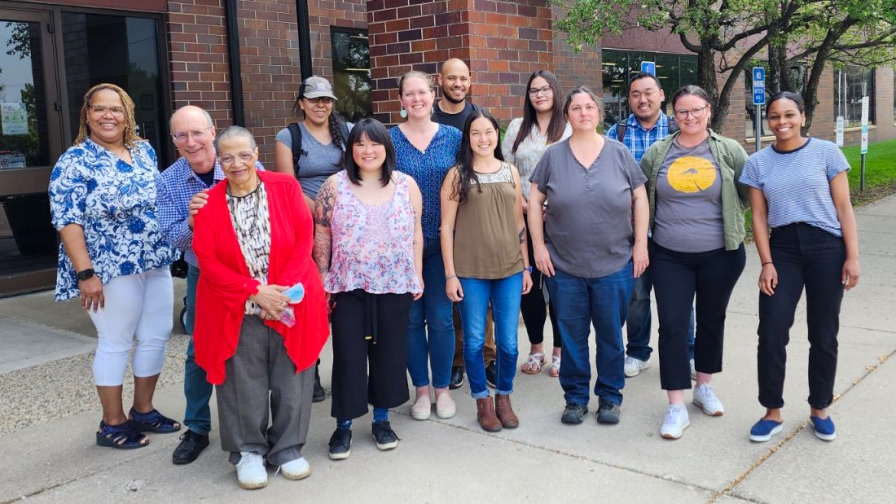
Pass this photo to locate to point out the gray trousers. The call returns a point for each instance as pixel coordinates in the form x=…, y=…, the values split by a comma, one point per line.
x=261, y=379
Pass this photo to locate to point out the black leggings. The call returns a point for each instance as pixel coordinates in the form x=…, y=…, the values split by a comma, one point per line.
x=369, y=329
x=677, y=278
x=534, y=308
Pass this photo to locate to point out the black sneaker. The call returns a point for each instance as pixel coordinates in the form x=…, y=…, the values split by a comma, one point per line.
x=341, y=444
x=608, y=413
x=319, y=393
x=574, y=414
x=491, y=373
x=385, y=437
x=457, y=378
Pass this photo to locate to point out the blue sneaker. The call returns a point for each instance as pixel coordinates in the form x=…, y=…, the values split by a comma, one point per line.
x=824, y=428
x=764, y=429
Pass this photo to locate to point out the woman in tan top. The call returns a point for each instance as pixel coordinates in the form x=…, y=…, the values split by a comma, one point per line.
x=486, y=260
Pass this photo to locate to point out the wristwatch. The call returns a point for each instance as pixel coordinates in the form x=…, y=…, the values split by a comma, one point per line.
x=528, y=268
x=86, y=274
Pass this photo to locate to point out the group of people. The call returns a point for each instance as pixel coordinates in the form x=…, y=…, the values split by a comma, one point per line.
x=378, y=235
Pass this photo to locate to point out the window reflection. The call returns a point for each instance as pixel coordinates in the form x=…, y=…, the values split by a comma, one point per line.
x=673, y=71
x=351, y=73
x=119, y=50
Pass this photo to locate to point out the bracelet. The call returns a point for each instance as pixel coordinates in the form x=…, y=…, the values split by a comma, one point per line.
x=527, y=268
x=449, y=278
x=766, y=262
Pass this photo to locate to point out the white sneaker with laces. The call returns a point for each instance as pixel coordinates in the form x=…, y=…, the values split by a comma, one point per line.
x=693, y=371
x=705, y=399
x=296, y=469
x=633, y=366
x=676, y=421
x=250, y=471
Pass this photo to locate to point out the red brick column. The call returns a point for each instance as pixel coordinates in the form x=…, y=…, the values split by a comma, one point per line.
x=502, y=42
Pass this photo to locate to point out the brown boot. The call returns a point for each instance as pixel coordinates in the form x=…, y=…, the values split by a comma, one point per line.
x=505, y=412
x=485, y=413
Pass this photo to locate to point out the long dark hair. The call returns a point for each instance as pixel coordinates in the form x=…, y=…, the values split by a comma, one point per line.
x=335, y=122
x=466, y=174
x=558, y=122
x=375, y=132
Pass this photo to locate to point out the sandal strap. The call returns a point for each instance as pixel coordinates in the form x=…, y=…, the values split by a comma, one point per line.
x=155, y=419
x=123, y=434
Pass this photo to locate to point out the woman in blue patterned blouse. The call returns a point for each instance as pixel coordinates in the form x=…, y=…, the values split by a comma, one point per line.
x=426, y=150
x=114, y=257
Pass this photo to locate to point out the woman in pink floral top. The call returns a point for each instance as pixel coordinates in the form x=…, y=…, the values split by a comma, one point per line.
x=368, y=246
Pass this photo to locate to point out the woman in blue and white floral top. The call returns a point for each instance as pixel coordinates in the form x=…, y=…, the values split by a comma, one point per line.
x=114, y=257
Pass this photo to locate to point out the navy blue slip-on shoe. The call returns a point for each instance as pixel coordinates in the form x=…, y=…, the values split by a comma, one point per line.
x=764, y=429
x=824, y=428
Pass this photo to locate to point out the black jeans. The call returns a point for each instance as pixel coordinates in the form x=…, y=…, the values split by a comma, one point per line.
x=677, y=278
x=808, y=256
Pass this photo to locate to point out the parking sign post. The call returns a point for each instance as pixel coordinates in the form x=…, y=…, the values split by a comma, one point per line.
x=758, y=102
x=864, y=141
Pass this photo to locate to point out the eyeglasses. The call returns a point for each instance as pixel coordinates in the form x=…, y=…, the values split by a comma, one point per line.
x=544, y=90
x=183, y=136
x=696, y=113
x=325, y=99
x=229, y=159
x=116, y=110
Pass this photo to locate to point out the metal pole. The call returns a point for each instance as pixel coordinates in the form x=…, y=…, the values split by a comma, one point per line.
x=233, y=53
x=862, y=175
x=304, y=26
x=758, y=121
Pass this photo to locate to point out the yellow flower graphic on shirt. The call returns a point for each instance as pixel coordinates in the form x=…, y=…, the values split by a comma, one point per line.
x=690, y=174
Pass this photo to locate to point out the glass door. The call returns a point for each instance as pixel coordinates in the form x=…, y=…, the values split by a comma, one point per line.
x=30, y=141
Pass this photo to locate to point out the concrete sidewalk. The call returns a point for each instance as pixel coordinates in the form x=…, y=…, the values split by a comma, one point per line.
x=51, y=455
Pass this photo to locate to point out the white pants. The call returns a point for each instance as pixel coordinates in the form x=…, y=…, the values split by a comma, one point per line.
x=138, y=305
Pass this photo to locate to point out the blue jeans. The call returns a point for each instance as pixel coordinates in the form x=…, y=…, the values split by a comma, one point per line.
x=604, y=303
x=504, y=295
x=197, y=390
x=431, y=312
x=637, y=324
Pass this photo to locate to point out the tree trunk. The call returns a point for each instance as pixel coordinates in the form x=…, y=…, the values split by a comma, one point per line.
x=706, y=76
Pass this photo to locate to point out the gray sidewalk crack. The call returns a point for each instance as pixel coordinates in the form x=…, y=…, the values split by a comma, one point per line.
x=790, y=435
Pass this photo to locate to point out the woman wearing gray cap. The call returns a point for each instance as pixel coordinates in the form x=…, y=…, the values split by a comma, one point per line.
x=311, y=150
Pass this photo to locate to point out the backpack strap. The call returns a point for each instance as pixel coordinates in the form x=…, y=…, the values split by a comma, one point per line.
x=343, y=128
x=620, y=131
x=296, y=133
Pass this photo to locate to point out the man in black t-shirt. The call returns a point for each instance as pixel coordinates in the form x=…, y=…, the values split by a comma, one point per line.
x=453, y=110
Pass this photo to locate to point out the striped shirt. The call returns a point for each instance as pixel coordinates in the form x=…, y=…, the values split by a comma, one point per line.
x=797, y=184
x=638, y=138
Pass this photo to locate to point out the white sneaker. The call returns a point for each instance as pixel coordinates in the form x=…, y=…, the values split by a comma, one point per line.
x=250, y=471
x=445, y=406
x=422, y=408
x=693, y=371
x=296, y=469
x=705, y=399
x=676, y=421
x=634, y=366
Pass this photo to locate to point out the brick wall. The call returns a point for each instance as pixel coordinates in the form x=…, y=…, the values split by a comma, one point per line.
x=502, y=41
x=269, y=58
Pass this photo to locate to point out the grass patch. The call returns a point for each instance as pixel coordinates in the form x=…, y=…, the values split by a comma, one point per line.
x=880, y=175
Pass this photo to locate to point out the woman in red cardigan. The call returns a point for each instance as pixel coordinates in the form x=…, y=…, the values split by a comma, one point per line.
x=253, y=239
